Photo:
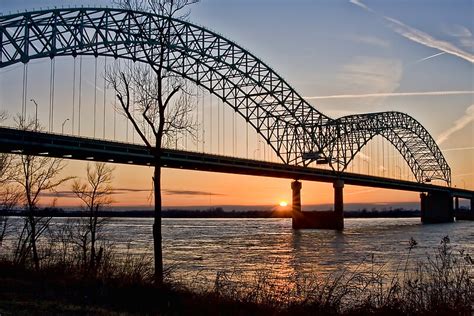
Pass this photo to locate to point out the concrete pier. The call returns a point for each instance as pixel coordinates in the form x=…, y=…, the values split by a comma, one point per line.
x=462, y=213
x=338, y=186
x=436, y=207
x=322, y=219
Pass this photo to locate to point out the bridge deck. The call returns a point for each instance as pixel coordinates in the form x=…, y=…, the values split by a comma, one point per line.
x=79, y=148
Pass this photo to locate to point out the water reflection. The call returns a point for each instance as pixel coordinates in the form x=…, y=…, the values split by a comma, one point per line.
x=208, y=246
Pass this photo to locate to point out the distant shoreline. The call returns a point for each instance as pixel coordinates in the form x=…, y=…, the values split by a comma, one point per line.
x=220, y=213
x=214, y=213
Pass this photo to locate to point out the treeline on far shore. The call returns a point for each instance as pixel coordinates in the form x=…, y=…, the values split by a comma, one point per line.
x=217, y=212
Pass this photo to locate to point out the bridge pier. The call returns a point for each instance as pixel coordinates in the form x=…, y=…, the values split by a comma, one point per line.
x=436, y=207
x=464, y=214
x=322, y=219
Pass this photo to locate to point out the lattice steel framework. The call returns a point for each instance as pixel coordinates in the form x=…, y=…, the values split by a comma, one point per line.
x=297, y=132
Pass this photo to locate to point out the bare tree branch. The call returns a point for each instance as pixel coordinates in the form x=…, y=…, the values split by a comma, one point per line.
x=34, y=175
x=95, y=194
x=164, y=110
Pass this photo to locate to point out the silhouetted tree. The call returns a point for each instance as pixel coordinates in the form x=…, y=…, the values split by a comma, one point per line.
x=9, y=193
x=95, y=194
x=160, y=107
x=34, y=175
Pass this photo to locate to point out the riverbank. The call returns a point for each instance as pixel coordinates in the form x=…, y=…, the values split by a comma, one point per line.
x=59, y=290
x=214, y=213
x=443, y=285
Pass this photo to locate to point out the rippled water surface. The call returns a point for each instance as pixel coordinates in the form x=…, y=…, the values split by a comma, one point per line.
x=210, y=245
x=206, y=246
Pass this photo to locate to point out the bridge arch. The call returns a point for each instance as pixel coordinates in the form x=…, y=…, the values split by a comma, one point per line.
x=290, y=125
x=405, y=133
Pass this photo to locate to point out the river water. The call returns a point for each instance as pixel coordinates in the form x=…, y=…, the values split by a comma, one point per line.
x=207, y=246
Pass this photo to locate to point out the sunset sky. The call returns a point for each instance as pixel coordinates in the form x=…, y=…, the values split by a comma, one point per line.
x=344, y=57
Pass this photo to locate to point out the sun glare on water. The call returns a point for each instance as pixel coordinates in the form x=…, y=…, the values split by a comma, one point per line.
x=283, y=203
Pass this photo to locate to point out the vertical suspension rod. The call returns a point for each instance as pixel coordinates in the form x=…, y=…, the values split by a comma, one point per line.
x=51, y=94
x=105, y=97
x=73, y=95
x=95, y=93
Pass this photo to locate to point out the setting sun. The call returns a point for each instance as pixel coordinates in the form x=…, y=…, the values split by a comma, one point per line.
x=283, y=204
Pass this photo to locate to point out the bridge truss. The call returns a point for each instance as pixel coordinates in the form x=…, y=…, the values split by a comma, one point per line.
x=296, y=131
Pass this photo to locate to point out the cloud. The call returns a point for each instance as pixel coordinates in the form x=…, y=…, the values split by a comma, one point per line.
x=117, y=191
x=457, y=30
x=55, y=194
x=188, y=192
x=362, y=191
x=372, y=74
x=463, y=174
x=391, y=94
x=126, y=190
x=363, y=156
x=371, y=40
x=467, y=43
x=360, y=4
x=418, y=36
x=90, y=83
x=429, y=57
x=70, y=194
x=457, y=149
x=362, y=74
x=458, y=125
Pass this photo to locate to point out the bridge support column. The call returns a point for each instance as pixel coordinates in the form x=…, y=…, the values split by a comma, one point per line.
x=296, y=201
x=423, y=206
x=463, y=214
x=437, y=207
x=338, y=186
x=322, y=219
x=298, y=220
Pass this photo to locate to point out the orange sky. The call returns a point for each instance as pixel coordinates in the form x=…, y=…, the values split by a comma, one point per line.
x=195, y=188
x=357, y=64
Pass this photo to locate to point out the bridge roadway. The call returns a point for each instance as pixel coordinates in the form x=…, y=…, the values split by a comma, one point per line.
x=80, y=148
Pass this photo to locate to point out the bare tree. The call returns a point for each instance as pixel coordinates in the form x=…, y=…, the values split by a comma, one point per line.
x=34, y=175
x=9, y=197
x=9, y=193
x=95, y=194
x=155, y=101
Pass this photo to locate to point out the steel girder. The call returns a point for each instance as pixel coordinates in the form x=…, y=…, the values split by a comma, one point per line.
x=296, y=131
x=347, y=135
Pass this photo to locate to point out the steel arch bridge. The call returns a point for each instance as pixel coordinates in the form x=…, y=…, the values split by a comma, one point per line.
x=297, y=132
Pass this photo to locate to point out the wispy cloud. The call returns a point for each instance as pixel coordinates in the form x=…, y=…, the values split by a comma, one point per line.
x=418, y=36
x=362, y=192
x=429, y=57
x=125, y=190
x=459, y=124
x=360, y=4
x=188, y=192
x=370, y=74
x=90, y=83
x=457, y=30
x=391, y=94
x=371, y=40
x=457, y=149
x=463, y=174
x=363, y=156
x=70, y=194
x=118, y=191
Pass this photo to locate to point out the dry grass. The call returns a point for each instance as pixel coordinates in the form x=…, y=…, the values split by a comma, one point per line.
x=441, y=285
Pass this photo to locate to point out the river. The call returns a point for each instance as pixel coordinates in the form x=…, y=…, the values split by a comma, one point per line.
x=206, y=246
